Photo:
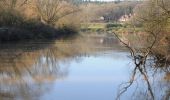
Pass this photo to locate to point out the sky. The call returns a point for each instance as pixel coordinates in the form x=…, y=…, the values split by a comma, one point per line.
x=102, y=0
x=108, y=0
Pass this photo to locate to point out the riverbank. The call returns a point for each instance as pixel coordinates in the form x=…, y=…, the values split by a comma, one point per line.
x=116, y=27
x=35, y=31
x=26, y=22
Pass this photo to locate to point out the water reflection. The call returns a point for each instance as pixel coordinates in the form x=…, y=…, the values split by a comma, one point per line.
x=150, y=79
x=23, y=69
x=74, y=70
x=28, y=70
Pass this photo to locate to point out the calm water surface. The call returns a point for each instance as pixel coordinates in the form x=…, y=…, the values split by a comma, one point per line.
x=95, y=77
x=68, y=70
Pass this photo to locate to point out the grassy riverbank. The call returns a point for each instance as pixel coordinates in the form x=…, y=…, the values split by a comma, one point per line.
x=101, y=28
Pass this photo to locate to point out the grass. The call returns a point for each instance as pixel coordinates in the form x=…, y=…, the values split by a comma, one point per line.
x=101, y=27
x=93, y=25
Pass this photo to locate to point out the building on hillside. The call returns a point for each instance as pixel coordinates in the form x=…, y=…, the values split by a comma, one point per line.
x=125, y=18
x=99, y=20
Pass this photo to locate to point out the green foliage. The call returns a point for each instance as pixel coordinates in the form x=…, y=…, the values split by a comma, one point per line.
x=112, y=25
x=93, y=27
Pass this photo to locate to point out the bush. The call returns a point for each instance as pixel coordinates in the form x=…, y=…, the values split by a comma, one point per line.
x=67, y=31
x=10, y=17
x=112, y=25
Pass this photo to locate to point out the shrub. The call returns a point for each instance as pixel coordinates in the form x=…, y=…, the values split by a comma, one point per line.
x=111, y=25
x=67, y=31
x=10, y=17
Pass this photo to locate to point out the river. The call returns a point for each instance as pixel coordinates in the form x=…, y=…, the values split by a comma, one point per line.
x=80, y=69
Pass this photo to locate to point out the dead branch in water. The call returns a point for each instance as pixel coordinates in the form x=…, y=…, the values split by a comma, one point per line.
x=140, y=62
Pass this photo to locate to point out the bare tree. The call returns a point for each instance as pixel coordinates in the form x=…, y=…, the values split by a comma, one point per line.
x=50, y=11
x=154, y=16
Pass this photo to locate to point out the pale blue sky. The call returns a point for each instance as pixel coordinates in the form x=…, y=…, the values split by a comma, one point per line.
x=113, y=0
x=102, y=0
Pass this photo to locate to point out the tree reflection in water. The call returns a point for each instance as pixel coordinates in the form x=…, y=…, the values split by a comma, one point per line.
x=149, y=68
x=24, y=68
x=27, y=70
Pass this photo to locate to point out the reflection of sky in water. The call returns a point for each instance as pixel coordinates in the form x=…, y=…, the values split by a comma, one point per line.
x=66, y=74
x=93, y=78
